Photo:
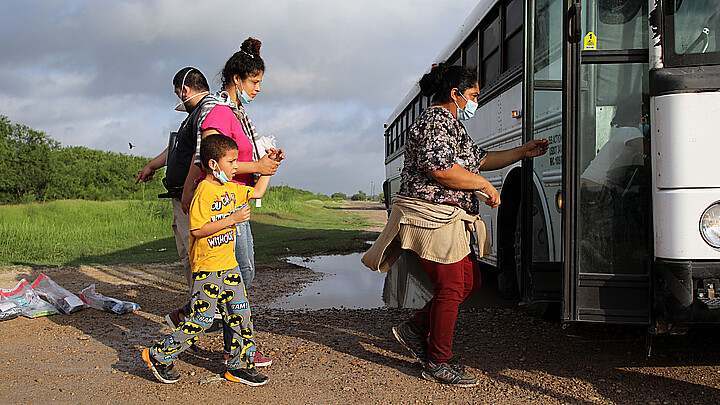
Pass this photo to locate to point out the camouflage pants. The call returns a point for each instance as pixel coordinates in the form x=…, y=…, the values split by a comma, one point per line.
x=226, y=291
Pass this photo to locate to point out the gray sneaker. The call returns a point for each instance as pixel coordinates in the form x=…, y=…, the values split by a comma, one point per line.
x=412, y=341
x=452, y=373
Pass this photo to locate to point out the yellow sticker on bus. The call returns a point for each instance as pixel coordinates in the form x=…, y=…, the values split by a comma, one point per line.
x=590, y=42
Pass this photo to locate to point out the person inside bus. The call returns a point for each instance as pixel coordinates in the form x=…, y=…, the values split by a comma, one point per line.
x=436, y=212
x=625, y=149
x=612, y=201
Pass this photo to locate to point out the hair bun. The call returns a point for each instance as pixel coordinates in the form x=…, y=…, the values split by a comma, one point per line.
x=251, y=46
x=432, y=81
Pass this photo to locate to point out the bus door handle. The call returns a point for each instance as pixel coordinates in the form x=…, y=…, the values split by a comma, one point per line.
x=575, y=21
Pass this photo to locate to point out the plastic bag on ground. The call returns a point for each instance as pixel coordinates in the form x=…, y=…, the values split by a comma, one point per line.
x=9, y=309
x=29, y=301
x=98, y=301
x=62, y=299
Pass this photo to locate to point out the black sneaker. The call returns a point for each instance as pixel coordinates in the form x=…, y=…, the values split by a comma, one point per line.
x=165, y=373
x=453, y=374
x=412, y=341
x=249, y=376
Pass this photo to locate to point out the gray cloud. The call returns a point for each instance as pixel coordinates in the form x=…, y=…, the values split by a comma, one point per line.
x=98, y=73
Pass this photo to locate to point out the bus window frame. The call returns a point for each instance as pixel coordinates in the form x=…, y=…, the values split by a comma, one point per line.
x=475, y=38
x=508, y=74
x=506, y=36
x=493, y=17
x=672, y=59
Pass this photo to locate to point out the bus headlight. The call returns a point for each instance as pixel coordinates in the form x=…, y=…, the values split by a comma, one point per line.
x=710, y=225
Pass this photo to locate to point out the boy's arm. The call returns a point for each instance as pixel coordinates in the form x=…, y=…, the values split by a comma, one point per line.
x=261, y=186
x=239, y=215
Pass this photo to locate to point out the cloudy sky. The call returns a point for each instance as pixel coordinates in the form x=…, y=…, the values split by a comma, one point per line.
x=98, y=73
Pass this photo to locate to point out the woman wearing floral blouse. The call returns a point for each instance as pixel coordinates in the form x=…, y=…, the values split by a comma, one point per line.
x=441, y=173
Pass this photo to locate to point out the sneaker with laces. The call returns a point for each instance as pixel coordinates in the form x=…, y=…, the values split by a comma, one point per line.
x=249, y=376
x=165, y=373
x=452, y=373
x=261, y=360
x=412, y=341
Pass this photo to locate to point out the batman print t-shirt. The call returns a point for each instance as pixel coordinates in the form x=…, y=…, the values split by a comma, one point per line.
x=212, y=203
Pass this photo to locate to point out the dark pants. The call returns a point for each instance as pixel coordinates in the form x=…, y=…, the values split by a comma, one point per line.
x=453, y=284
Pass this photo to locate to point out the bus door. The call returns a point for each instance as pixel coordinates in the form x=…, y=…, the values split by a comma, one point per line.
x=541, y=253
x=606, y=185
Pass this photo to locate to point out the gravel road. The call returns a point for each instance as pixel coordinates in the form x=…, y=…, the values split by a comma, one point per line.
x=336, y=356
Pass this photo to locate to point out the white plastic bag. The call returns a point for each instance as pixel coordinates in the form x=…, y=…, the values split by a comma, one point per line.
x=98, y=301
x=9, y=309
x=29, y=301
x=65, y=301
x=264, y=142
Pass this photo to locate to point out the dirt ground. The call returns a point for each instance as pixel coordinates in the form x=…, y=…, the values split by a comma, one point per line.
x=336, y=356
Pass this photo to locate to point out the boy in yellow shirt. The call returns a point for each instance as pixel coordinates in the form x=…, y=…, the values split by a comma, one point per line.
x=216, y=207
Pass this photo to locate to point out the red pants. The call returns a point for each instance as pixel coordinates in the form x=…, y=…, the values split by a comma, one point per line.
x=453, y=284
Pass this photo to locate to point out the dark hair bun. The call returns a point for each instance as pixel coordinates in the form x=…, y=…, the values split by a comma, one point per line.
x=251, y=46
x=433, y=81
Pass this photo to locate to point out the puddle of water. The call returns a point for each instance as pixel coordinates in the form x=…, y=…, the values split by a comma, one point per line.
x=347, y=283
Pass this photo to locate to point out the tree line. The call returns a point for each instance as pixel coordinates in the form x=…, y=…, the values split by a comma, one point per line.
x=35, y=167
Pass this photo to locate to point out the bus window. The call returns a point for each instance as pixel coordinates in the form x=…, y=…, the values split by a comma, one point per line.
x=618, y=24
x=416, y=109
x=491, y=52
x=514, y=48
x=455, y=59
x=694, y=30
x=396, y=136
x=513, y=16
x=614, y=176
x=472, y=52
x=391, y=141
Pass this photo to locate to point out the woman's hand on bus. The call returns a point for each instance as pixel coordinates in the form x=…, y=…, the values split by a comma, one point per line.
x=535, y=148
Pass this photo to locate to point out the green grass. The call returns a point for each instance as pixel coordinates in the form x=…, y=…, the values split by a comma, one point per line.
x=74, y=232
x=78, y=231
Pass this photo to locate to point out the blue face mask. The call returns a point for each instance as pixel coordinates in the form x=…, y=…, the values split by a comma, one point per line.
x=242, y=96
x=468, y=112
x=220, y=175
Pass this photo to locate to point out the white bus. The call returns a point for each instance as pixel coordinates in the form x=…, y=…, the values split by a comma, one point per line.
x=620, y=221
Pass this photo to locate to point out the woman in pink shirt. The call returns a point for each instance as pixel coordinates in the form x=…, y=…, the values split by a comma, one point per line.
x=241, y=79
